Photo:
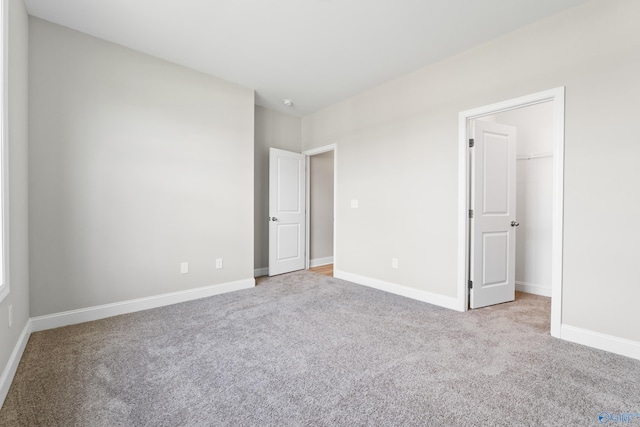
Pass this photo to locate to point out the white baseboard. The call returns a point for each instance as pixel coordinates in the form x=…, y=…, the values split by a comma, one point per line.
x=600, y=341
x=88, y=314
x=12, y=365
x=320, y=261
x=393, y=288
x=258, y=272
x=532, y=288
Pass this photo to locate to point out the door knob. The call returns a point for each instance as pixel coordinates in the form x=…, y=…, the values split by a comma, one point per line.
x=514, y=224
x=273, y=218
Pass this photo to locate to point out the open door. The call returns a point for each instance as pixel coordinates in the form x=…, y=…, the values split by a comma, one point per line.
x=287, y=237
x=493, y=216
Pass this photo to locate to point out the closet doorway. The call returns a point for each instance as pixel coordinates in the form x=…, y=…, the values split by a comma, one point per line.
x=550, y=157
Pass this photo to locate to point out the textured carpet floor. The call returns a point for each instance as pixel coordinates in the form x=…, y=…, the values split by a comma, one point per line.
x=305, y=349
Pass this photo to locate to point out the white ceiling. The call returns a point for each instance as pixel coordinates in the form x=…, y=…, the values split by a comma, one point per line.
x=315, y=52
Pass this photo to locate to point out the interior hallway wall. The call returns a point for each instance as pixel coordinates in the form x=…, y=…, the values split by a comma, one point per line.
x=398, y=147
x=277, y=130
x=135, y=166
x=321, y=216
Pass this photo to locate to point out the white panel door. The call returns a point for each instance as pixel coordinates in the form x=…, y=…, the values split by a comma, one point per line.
x=286, y=211
x=493, y=226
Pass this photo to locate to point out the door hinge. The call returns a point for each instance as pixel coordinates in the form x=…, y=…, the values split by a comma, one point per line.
x=472, y=142
x=470, y=284
x=470, y=213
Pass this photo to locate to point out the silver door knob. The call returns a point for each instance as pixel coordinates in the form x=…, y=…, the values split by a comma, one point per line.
x=274, y=218
x=514, y=224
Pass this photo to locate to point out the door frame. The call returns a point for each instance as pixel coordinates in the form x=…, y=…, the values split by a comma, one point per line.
x=557, y=95
x=309, y=154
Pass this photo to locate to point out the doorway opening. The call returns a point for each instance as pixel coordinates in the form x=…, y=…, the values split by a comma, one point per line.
x=291, y=209
x=320, y=209
x=554, y=158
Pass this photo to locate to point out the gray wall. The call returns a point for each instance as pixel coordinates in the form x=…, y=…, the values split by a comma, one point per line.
x=321, y=207
x=277, y=130
x=136, y=165
x=18, y=34
x=398, y=147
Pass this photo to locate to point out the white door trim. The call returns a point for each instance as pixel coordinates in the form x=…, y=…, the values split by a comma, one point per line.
x=556, y=95
x=309, y=153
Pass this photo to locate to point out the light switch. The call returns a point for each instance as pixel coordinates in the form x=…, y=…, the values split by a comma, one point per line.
x=354, y=203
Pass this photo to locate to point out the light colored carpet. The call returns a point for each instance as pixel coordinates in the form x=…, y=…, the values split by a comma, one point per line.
x=306, y=349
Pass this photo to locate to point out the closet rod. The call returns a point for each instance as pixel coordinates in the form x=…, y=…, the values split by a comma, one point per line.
x=534, y=156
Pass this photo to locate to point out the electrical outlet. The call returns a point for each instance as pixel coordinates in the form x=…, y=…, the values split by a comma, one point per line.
x=184, y=268
x=10, y=315
x=219, y=263
x=394, y=262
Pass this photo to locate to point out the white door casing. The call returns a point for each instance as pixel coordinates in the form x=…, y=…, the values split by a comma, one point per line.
x=309, y=154
x=493, y=226
x=287, y=234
